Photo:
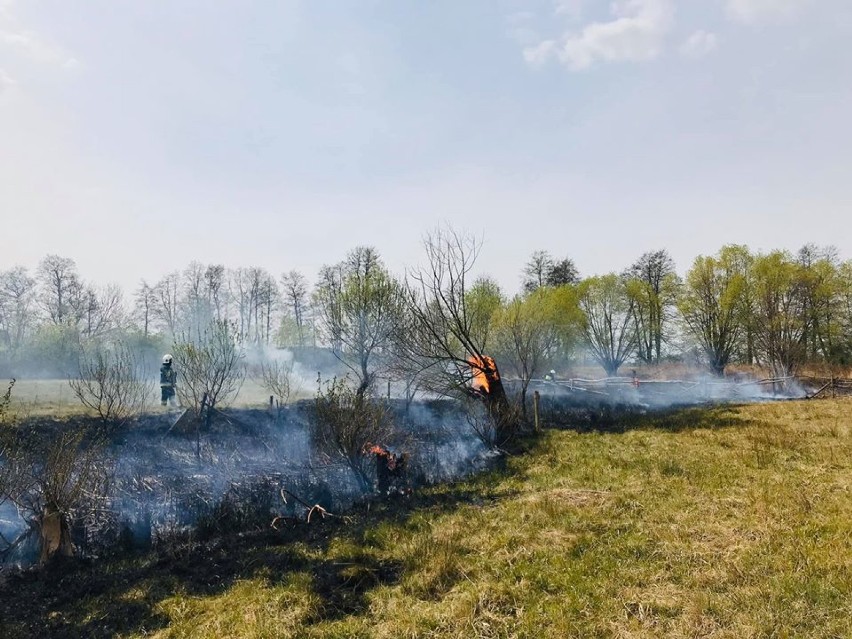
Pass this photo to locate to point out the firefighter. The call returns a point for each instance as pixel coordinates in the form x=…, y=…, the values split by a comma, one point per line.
x=168, y=377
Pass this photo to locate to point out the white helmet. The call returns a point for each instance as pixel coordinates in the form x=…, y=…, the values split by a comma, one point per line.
x=167, y=359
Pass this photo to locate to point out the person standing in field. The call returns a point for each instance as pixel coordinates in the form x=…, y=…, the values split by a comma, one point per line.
x=168, y=379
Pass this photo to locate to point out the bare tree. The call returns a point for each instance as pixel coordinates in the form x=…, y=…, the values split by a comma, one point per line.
x=112, y=382
x=537, y=270
x=440, y=331
x=61, y=289
x=167, y=307
x=144, y=303
x=17, y=297
x=276, y=377
x=216, y=290
x=295, y=289
x=102, y=310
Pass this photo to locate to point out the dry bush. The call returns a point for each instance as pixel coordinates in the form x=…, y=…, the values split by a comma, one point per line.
x=346, y=423
x=112, y=382
x=6, y=401
x=276, y=377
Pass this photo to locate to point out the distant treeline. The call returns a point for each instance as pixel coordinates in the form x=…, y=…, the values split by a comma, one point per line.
x=777, y=310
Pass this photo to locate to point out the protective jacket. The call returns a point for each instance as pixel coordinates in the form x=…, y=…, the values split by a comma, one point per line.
x=168, y=376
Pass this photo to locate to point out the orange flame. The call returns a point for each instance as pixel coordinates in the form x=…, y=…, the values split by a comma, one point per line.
x=482, y=368
x=377, y=450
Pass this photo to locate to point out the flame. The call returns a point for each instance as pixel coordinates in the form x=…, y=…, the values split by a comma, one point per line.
x=483, y=367
x=377, y=450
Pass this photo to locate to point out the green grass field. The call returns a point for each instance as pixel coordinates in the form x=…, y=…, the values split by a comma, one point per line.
x=724, y=522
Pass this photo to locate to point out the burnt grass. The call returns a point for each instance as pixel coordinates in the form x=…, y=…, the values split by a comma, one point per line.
x=119, y=591
x=52, y=601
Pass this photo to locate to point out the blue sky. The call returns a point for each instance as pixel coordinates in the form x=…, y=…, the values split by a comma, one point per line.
x=136, y=137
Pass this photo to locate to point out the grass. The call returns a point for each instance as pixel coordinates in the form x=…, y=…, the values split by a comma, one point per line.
x=724, y=522
x=54, y=398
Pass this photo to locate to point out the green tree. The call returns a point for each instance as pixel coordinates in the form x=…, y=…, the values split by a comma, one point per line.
x=534, y=330
x=712, y=305
x=609, y=330
x=653, y=286
x=484, y=300
x=781, y=305
x=359, y=305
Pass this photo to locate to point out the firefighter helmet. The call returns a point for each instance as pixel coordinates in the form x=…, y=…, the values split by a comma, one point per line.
x=167, y=359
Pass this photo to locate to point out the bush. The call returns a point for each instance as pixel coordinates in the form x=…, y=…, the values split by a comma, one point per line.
x=112, y=382
x=345, y=425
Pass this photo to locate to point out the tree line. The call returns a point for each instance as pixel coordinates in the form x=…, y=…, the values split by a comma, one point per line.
x=777, y=310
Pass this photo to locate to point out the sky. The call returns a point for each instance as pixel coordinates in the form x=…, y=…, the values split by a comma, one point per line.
x=136, y=137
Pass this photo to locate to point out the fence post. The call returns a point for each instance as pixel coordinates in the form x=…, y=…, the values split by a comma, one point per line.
x=536, y=398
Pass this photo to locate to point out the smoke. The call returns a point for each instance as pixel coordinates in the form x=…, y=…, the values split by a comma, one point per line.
x=635, y=394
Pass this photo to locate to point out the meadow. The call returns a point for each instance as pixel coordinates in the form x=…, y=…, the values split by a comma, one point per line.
x=728, y=521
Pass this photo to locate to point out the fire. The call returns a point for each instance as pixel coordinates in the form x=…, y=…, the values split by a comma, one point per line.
x=377, y=450
x=483, y=367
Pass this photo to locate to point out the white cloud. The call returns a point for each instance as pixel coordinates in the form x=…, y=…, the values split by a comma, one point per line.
x=755, y=11
x=636, y=33
x=27, y=43
x=699, y=44
x=571, y=8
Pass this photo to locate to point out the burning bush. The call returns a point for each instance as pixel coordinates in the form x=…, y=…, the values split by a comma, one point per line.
x=344, y=425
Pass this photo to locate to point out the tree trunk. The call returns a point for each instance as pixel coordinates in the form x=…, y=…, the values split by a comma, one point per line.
x=55, y=536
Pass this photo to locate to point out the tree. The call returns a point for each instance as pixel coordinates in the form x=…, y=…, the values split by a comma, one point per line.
x=112, y=382
x=61, y=290
x=145, y=301
x=564, y=272
x=781, y=307
x=440, y=332
x=484, y=300
x=102, y=311
x=276, y=377
x=652, y=285
x=820, y=288
x=55, y=483
x=531, y=330
x=537, y=270
x=359, y=305
x=17, y=297
x=712, y=305
x=609, y=330
x=167, y=305
x=215, y=287
x=210, y=367
x=295, y=291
